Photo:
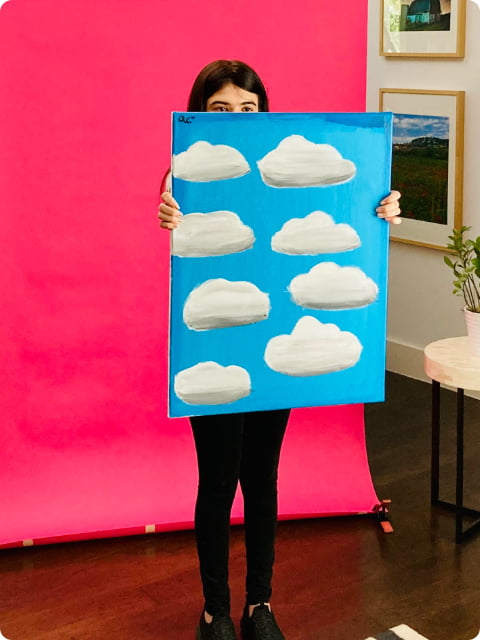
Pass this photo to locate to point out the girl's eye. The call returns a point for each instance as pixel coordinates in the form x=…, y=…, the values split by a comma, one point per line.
x=221, y=109
x=247, y=109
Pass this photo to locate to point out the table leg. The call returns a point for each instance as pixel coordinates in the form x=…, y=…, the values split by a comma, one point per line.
x=435, y=464
x=457, y=507
x=459, y=511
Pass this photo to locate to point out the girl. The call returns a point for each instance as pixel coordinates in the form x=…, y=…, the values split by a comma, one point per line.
x=241, y=447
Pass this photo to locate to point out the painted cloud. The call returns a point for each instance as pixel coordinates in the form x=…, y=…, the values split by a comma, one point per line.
x=211, y=234
x=313, y=348
x=330, y=286
x=210, y=383
x=314, y=234
x=205, y=162
x=297, y=162
x=221, y=303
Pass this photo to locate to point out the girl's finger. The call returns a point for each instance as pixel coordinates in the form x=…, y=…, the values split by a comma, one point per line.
x=167, y=225
x=393, y=196
x=169, y=199
x=394, y=220
x=389, y=209
x=169, y=212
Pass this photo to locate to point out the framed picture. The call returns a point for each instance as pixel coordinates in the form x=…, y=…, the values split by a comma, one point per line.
x=427, y=162
x=423, y=28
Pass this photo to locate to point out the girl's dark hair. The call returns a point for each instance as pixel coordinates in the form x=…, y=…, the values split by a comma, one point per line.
x=221, y=72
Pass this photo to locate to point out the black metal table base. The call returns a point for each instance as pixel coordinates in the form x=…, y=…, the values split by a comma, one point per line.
x=461, y=533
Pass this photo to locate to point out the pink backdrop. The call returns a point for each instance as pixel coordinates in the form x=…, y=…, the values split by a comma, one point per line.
x=85, y=95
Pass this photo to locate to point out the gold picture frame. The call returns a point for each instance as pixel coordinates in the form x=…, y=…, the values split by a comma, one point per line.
x=439, y=33
x=427, y=163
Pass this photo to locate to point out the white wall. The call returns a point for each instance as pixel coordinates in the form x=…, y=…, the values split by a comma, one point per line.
x=421, y=305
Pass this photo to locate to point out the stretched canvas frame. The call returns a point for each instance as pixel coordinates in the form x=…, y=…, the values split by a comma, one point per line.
x=261, y=344
x=420, y=181
x=427, y=42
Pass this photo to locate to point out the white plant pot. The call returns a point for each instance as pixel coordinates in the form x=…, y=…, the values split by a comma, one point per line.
x=472, y=320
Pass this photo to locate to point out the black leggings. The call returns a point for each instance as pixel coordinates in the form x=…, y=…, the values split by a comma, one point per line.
x=245, y=447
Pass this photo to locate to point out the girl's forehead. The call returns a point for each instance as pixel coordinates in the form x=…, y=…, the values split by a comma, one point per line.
x=231, y=93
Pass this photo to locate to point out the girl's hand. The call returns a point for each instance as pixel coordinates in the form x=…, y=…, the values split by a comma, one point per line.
x=169, y=212
x=389, y=208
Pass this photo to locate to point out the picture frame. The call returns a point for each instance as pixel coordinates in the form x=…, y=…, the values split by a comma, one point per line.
x=410, y=33
x=427, y=163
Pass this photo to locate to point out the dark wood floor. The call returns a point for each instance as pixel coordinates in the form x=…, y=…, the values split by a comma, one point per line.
x=335, y=579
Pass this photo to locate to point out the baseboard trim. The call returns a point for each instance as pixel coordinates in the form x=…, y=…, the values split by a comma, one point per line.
x=408, y=361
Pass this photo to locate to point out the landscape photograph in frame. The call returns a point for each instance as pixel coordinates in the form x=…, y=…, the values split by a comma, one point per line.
x=427, y=162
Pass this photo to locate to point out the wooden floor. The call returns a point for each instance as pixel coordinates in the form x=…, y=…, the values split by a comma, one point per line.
x=335, y=579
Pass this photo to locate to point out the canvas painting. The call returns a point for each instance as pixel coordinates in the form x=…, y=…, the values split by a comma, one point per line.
x=279, y=266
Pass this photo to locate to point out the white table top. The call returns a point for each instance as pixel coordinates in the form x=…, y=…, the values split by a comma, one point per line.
x=451, y=362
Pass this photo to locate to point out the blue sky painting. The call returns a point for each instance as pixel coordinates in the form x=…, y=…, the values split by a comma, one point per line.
x=279, y=266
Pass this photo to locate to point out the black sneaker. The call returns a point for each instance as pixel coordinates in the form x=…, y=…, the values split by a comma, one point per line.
x=221, y=628
x=261, y=625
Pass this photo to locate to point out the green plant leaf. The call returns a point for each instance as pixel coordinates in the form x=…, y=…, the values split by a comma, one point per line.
x=465, y=266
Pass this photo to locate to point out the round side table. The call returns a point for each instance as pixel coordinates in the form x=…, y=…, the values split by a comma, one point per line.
x=450, y=362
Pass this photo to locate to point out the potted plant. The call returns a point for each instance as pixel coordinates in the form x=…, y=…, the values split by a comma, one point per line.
x=465, y=263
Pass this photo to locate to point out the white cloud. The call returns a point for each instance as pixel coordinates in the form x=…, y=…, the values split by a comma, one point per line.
x=403, y=122
x=297, y=162
x=210, y=383
x=211, y=234
x=313, y=348
x=221, y=303
x=400, y=140
x=314, y=234
x=205, y=162
x=329, y=286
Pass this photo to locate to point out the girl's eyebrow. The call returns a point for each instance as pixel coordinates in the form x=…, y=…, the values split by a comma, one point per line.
x=223, y=102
